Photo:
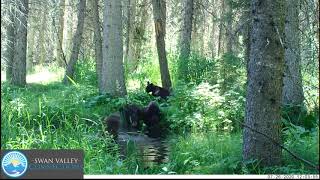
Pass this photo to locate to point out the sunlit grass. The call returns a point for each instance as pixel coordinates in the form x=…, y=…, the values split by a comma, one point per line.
x=41, y=75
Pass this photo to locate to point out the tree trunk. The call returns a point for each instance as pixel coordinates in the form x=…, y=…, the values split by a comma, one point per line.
x=20, y=49
x=10, y=44
x=292, y=81
x=229, y=27
x=131, y=14
x=30, y=51
x=159, y=15
x=60, y=58
x=220, y=36
x=97, y=39
x=265, y=82
x=76, y=42
x=113, y=81
x=185, y=41
x=213, y=30
x=42, y=38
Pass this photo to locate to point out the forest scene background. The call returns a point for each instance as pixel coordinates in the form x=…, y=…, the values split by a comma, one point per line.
x=61, y=75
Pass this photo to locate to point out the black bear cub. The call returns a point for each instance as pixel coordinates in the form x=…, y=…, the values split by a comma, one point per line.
x=127, y=119
x=157, y=91
x=151, y=117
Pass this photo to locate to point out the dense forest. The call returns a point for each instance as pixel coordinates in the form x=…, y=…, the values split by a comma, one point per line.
x=164, y=86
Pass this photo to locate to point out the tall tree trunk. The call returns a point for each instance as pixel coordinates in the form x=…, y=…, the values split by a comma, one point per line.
x=20, y=49
x=159, y=15
x=229, y=37
x=60, y=58
x=97, y=39
x=113, y=80
x=131, y=14
x=30, y=51
x=265, y=82
x=10, y=44
x=220, y=36
x=138, y=36
x=42, y=38
x=292, y=81
x=213, y=30
x=185, y=40
x=76, y=42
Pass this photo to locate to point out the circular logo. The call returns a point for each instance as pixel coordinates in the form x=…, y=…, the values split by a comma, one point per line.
x=14, y=164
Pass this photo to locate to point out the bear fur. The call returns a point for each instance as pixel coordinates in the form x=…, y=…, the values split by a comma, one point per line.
x=157, y=91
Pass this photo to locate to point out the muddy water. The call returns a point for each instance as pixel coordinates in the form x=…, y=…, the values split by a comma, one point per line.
x=153, y=151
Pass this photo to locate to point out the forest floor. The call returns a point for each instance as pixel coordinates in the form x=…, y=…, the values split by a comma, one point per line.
x=49, y=115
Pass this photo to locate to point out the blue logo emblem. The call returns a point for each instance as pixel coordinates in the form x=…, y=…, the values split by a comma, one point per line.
x=14, y=164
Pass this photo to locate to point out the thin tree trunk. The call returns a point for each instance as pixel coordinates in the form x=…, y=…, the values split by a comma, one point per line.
x=131, y=14
x=10, y=44
x=76, y=43
x=42, y=37
x=229, y=37
x=186, y=39
x=97, y=39
x=213, y=30
x=265, y=82
x=30, y=50
x=60, y=58
x=292, y=81
x=113, y=80
x=20, y=49
x=159, y=15
x=220, y=38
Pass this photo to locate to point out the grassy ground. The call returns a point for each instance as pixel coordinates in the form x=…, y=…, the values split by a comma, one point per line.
x=49, y=115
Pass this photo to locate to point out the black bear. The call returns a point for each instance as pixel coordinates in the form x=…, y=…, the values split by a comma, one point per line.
x=112, y=123
x=151, y=117
x=130, y=113
x=157, y=91
x=127, y=119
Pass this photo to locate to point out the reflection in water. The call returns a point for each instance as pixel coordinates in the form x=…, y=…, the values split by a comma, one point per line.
x=151, y=150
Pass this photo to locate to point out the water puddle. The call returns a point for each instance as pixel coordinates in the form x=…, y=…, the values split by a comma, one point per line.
x=153, y=151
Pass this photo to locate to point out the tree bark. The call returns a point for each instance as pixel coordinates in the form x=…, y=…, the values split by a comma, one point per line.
x=229, y=27
x=97, y=39
x=185, y=41
x=265, y=82
x=159, y=15
x=20, y=49
x=60, y=58
x=220, y=36
x=10, y=44
x=113, y=80
x=292, y=81
x=42, y=38
x=76, y=42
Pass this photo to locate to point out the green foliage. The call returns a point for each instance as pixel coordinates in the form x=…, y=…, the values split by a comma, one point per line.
x=201, y=108
x=85, y=72
x=230, y=72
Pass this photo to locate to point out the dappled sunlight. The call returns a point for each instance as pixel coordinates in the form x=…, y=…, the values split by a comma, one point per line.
x=133, y=85
x=41, y=75
x=45, y=76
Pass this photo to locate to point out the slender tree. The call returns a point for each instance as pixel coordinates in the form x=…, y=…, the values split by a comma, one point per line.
x=264, y=88
x=159, y=16
x=10, y=43
x=76, y=42
x=292, y=82
x=59, y=49
x=97, y=39
x=20, y=48
x=185, y=40
x=113, y=80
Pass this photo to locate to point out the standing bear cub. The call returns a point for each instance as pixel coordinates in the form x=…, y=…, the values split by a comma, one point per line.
x=157, y=91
